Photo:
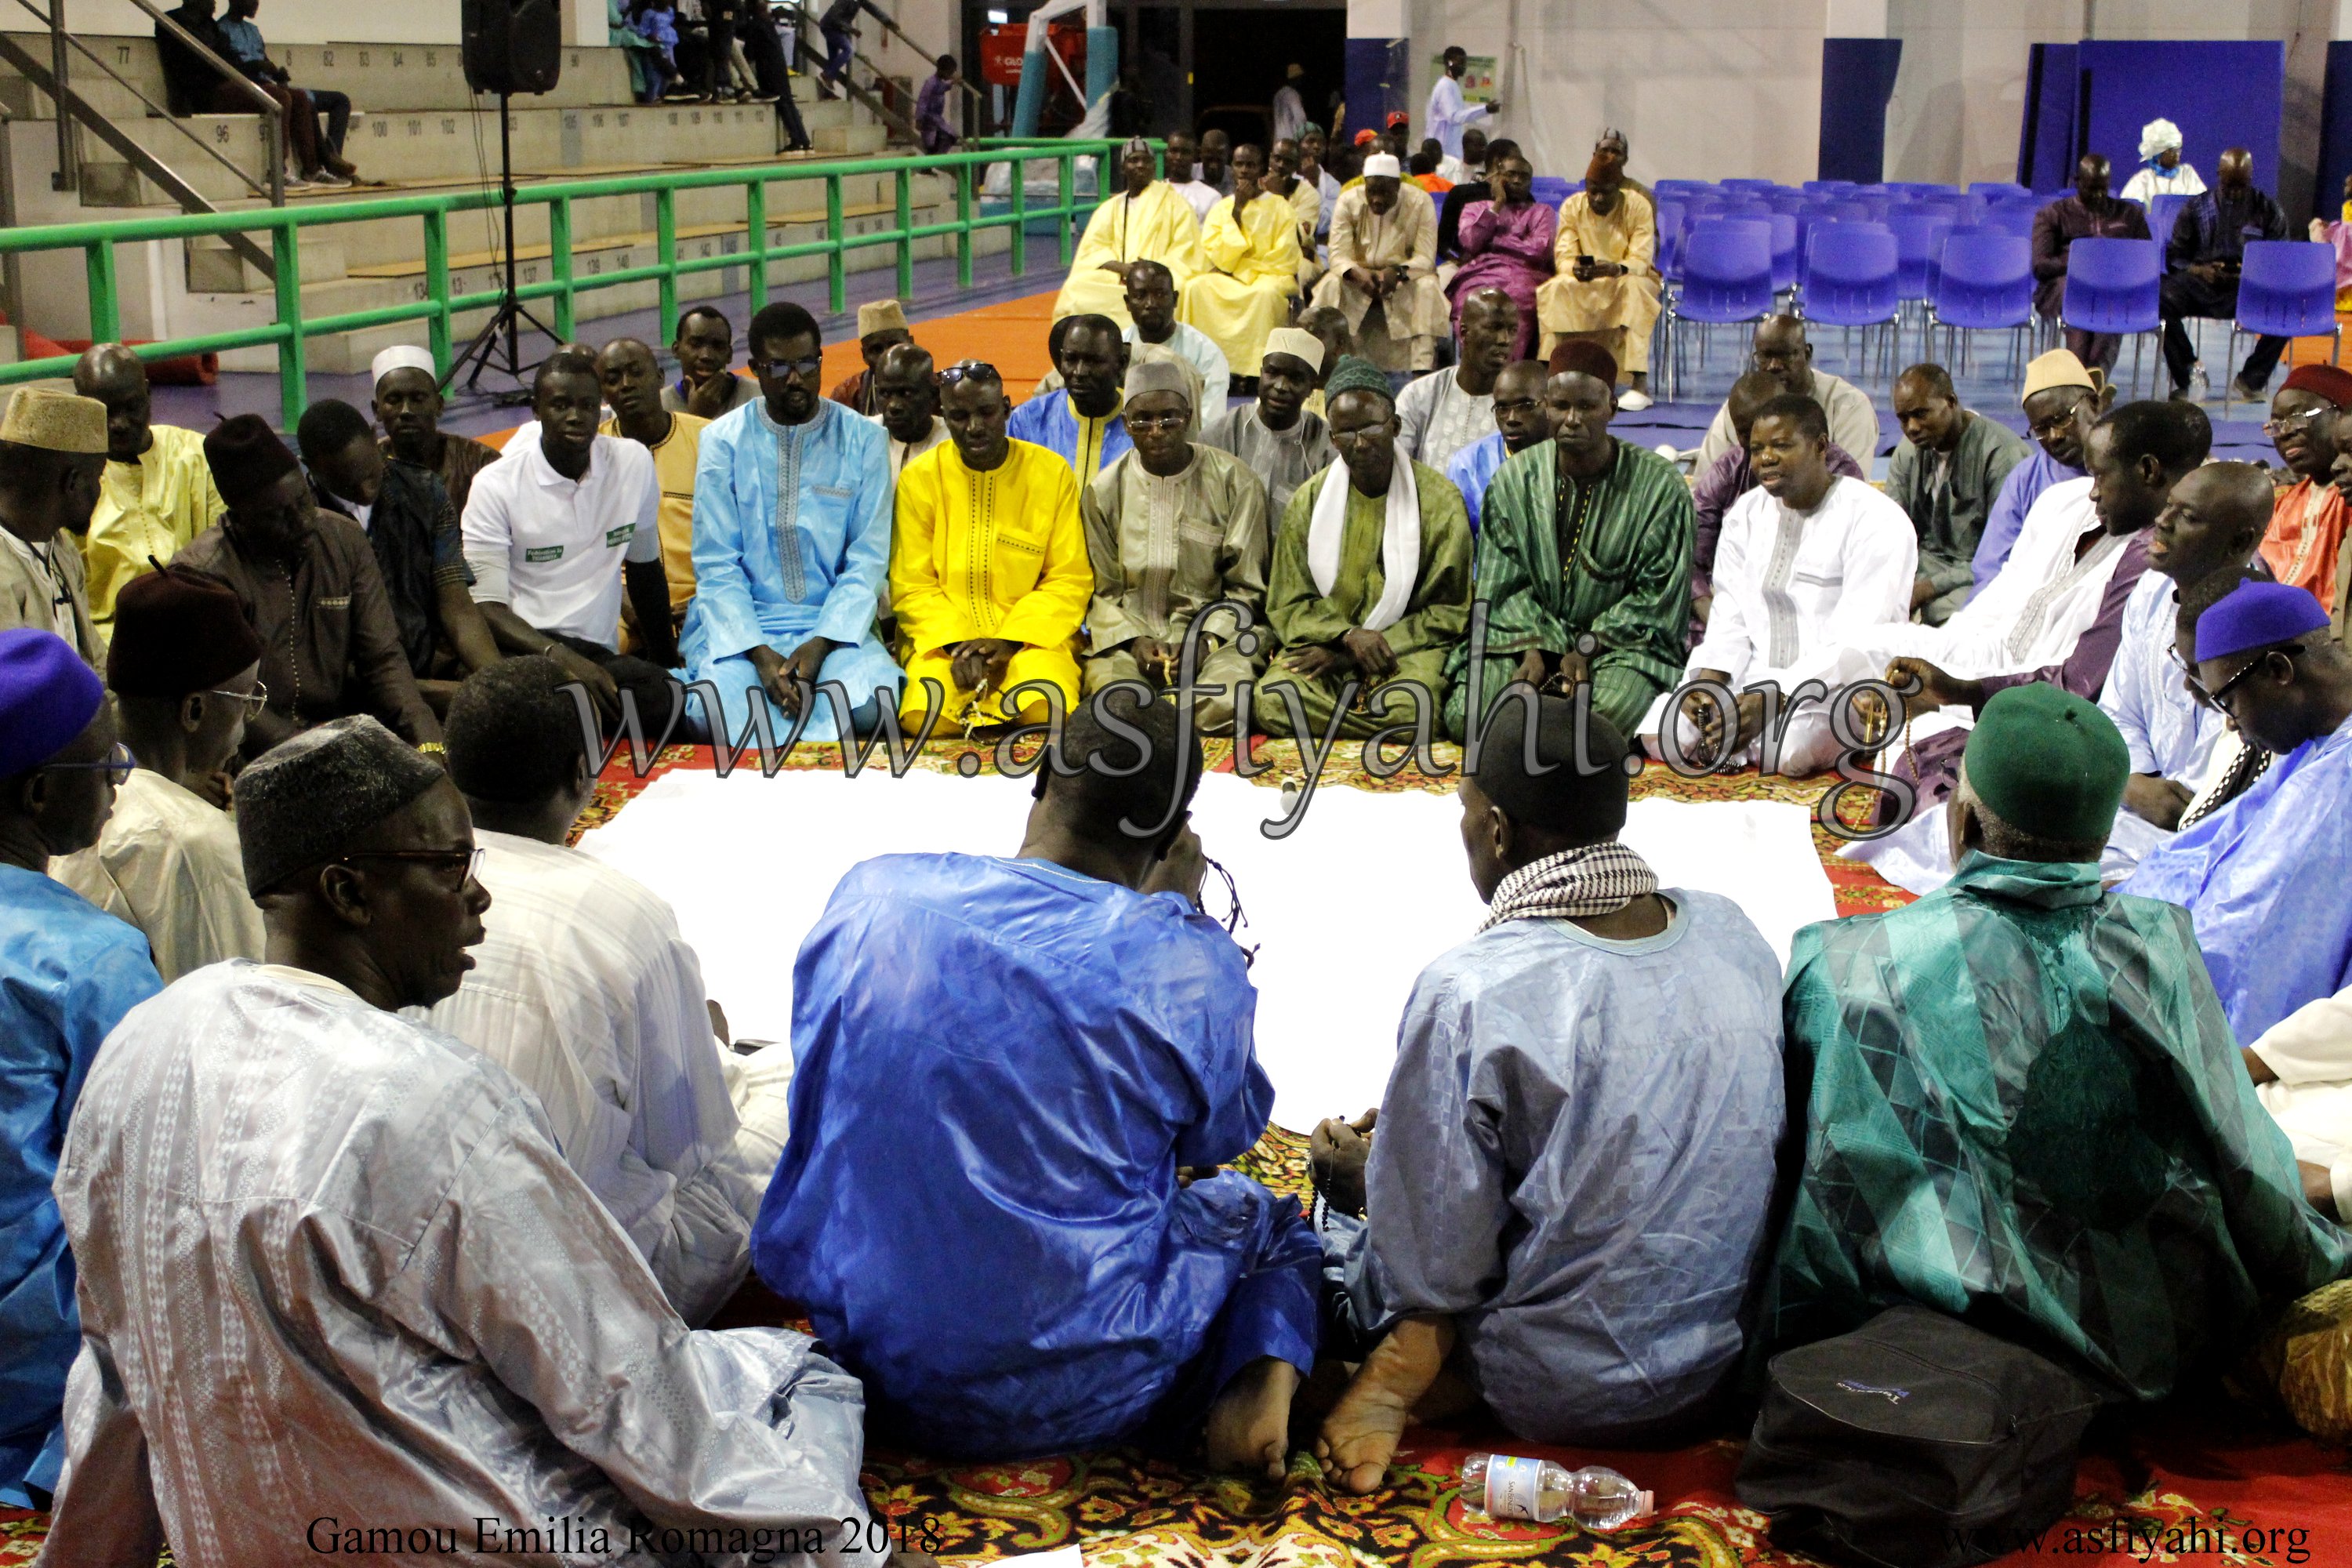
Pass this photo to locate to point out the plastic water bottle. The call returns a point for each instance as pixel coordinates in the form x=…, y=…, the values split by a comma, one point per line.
x=1541, y=1489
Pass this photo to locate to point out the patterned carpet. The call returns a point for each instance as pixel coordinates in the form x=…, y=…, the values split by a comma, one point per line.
x=2216, y=1485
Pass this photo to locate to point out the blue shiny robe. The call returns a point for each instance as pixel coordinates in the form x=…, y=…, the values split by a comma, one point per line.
x=2267, y=881
x=1473, y=467
x=825, y=486
x=999, y=1067
x=2007, y=519
x=1050, y=422
x=68, y=973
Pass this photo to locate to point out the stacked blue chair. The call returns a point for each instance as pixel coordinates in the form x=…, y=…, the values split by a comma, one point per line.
x=1815, y=187
x=2010, y=217
x=1551, y=190
x=1995, y=188
x=1918, y=244
x=1785, y=267
x=2114, y=286
x=2163, y=212
x=1853, y=278
x=1672, y=214
x=1758, y=186
x=1984, y=282
x=2286, y=290
x=1726, y=279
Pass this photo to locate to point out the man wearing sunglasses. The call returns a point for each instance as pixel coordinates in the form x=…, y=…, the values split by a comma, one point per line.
x=68, y=971
x=402, y=1278
x=2307, y=522
x=2268, y=878
x=185, y=668
x=792, y=546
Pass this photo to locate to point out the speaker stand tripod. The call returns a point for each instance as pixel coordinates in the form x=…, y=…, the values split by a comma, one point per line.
x=488, y=352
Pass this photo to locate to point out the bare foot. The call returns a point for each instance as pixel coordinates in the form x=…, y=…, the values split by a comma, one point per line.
x=1249, y=1424
x=1360, y=1435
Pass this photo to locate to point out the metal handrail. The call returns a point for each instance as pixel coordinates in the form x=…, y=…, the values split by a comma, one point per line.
x=265, y=104
x=290, y=331
x=890, y=24
x=258, y=188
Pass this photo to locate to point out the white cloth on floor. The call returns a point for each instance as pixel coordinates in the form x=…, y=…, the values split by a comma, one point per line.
x=1329, y=998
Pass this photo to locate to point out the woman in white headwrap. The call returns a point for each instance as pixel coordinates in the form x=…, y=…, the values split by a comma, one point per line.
x=2161, y=172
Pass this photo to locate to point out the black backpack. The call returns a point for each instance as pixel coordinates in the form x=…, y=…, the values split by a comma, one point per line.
x=1914, y=1442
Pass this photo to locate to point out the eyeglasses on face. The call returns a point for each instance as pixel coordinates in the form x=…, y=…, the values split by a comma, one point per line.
x=2043, y=429
x=1175, y=421
x=468, y=860
x=253, y=701
x=2217, y=699
x=806, y=369
x=2286, y=422
x=118, y=766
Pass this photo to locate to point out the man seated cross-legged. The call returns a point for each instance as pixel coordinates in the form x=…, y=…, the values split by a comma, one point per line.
x=989, y=575
x=1172, y=528
x=1584, y=553
x=1011, y=1236
x=1569, y=1177
x=1370, y=585
x=792, y=548
x=2023, y=1102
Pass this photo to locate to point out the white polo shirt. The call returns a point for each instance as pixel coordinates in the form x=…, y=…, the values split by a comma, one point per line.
x=550, y=548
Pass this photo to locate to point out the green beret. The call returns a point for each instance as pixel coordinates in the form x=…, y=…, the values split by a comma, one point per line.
x=2048, y=763
x=1355, y=374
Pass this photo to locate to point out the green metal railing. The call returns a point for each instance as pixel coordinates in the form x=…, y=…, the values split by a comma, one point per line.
x=289, y=333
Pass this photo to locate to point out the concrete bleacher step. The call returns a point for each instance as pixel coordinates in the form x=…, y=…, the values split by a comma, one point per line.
x=401, y=75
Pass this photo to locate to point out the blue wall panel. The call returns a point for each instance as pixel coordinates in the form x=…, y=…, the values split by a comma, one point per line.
x=2220, y=94
x=1857, y=79
x=2045, y=144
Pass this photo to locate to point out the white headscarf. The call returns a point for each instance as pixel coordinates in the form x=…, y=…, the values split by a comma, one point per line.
x=2156, y=138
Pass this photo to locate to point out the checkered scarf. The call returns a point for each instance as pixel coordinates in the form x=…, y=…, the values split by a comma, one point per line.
x=1598, y=879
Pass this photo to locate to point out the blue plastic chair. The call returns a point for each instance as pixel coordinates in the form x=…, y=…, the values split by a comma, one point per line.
x=2286, y=290
x=1726, y=279
x=1997, y=188
x=1670, y=217
x=1984, y=283
x=1851, y=212
x=1918, y=246
x=2010, y=217
x=1816, y=186
x=1759, y=186
x=2163, y=212
x=2115, y=287
x=1853, y=278
x=1788, y=201
x=1551, y=190
x=1785, y=267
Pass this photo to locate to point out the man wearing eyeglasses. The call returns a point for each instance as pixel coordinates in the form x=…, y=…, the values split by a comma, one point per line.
x=185, y=668
x=2061, y=401
x=1172, y=527
x=2307, y=523
x=2268, y=878
x=68, y=973
x=1781, y=351
x=296, y=1212
x=792, y=547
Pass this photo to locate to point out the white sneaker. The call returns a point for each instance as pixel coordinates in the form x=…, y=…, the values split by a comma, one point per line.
x=1633, y=402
